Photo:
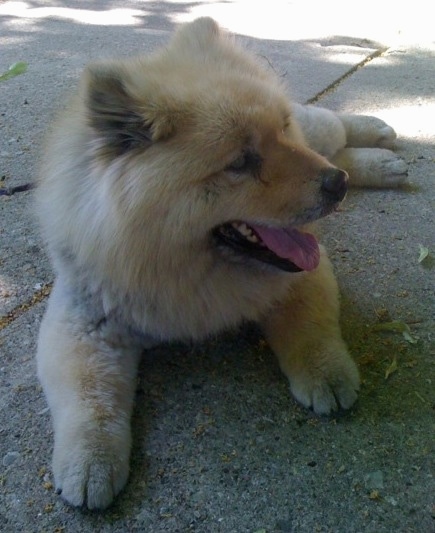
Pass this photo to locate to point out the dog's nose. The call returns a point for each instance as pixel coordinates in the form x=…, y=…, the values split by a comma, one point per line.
x=334, y=183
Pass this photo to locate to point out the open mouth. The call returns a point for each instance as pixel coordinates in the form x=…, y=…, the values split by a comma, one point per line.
x=288, y=249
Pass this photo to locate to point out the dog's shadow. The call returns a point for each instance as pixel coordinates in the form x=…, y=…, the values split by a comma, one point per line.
x=189, y=392
x=197, y=403
x=204, y=395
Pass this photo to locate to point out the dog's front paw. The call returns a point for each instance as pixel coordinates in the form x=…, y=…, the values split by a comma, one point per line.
x=327, y=380
x=91, y=469
x=394, y=170
x=372, y=167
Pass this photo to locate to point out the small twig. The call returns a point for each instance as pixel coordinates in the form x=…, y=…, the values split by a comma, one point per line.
x=9, y=191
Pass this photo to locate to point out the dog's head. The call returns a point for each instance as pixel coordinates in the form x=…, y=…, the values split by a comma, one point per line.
x=203, y=154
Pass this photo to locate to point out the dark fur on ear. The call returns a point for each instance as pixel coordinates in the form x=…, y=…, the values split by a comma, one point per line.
x=113, y=113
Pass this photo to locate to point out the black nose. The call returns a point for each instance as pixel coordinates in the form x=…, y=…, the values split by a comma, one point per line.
x=334, y=184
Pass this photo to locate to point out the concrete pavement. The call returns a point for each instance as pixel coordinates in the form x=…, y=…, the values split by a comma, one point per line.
x=219, y=444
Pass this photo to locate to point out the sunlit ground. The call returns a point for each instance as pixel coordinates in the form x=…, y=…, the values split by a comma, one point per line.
x=410, y=121
x=110, y=17
x=387, y=20
x=307, y=19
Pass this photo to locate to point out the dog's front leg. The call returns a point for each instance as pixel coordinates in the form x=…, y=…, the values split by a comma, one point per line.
x=304, y=333
x=90, y=387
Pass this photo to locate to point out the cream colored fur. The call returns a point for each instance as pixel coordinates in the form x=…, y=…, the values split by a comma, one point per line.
x=136, y=176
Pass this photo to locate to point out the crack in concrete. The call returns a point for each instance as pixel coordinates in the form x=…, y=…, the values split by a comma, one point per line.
x=18, y=311
x=331, y=87
x=9, y=191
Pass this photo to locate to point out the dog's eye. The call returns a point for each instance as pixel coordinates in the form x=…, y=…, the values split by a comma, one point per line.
x=246, y=162
x=238, y=164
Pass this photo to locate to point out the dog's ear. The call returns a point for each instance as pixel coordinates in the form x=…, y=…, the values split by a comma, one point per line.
x=112, y=112
x=198, y=34
x=115, y=113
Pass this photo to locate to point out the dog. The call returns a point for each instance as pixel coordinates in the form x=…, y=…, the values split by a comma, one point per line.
x=178, y=197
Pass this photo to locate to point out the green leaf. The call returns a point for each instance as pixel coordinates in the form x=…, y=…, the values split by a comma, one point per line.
x=391, y=369
x=396, y=327
x=14, y=70
x=424, y=252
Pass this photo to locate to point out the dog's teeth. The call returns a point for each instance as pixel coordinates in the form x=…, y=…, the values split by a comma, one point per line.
x=244, y=230
x=252, y=238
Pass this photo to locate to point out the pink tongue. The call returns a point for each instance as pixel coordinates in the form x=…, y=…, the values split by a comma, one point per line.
x=298, y=247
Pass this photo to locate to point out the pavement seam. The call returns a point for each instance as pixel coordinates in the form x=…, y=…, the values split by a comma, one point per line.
x=18, y=311
x=332, y=86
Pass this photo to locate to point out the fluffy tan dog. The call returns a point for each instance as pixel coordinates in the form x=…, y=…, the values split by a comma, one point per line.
x=175, y=198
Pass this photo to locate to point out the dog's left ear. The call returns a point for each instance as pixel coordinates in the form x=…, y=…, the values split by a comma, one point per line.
x=112, y=112
x=115, y=114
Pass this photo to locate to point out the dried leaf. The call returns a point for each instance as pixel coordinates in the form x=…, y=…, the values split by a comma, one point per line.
x=391, y=369
x=396, y=327
x=424, y=252
x=14, y=70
